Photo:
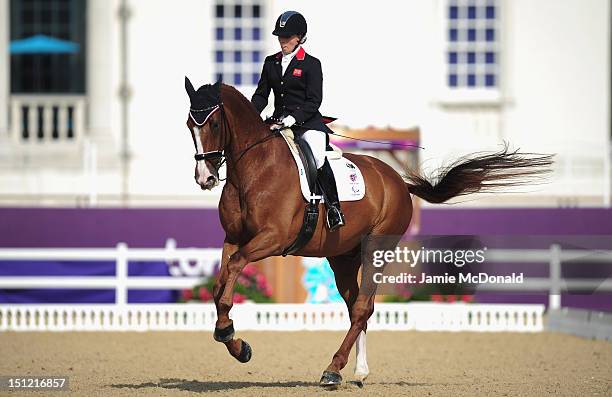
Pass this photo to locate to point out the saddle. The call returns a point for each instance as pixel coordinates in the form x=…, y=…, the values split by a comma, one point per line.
x=311, y=212
x=310, y=164
x=351, y=188
x=350, y=183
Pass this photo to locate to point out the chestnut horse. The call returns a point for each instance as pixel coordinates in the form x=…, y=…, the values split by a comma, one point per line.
x=261, y=207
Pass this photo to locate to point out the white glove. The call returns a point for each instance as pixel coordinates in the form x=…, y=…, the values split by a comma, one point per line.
x=286, y=122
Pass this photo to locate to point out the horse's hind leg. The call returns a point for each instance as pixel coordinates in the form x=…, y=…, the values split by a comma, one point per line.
x=346, y=270
x=363, y=306
x=361, y=364
x=360, y=313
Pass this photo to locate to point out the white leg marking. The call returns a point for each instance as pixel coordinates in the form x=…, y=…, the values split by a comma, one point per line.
x=361, y=365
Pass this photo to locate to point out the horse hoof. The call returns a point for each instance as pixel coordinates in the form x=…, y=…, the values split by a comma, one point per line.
x=360, y=377
x=224, y=334
x=357, y=383
x=245, y=353
x=330, y=379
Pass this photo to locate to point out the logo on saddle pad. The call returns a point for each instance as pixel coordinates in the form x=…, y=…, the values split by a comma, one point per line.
x=353, y=177
x=350, y=165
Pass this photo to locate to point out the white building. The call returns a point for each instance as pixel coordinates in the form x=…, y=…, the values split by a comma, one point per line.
x=469, y=73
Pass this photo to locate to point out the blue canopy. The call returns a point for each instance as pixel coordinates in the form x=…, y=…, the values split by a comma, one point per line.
x=41, y=44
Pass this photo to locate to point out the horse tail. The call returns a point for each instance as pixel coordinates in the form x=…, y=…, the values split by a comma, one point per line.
x=480, y=172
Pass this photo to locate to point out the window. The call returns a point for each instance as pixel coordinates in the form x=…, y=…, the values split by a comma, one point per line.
x=238, y=41
x=472, y=45
x=47, y=46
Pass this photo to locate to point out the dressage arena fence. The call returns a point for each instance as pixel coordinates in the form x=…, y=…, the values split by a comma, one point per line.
x=426, y=316
x=121, y=316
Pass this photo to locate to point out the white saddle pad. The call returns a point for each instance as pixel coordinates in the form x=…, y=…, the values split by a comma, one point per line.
x=349, y=180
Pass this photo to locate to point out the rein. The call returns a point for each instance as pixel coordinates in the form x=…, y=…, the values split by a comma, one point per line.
x=264, y=139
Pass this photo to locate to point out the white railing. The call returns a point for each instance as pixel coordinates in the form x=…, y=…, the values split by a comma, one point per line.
x=554, y=284
x=47, y=118
x=419, y=316
x=271, y=317
x=121, y=255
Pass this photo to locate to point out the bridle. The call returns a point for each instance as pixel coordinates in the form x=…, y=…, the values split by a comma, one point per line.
x=217, y=157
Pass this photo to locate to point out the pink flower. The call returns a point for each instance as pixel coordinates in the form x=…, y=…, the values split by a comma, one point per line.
x=451, y=298
x=467, y=298
x=268, y=291
x=436, y=298
x=239, y=298
x=250, y=270
x=205, y=295
x=187, y=294
x=261, y=282
x=244, y=281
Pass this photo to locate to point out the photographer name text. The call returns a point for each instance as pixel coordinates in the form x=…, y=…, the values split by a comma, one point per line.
x=462, y=278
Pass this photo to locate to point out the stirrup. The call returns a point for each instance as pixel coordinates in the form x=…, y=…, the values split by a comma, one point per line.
x=337, y=216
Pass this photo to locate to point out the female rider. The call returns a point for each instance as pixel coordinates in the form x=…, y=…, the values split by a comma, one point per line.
x=297, y=81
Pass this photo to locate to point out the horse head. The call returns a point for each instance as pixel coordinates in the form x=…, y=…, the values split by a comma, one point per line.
x=208, y=126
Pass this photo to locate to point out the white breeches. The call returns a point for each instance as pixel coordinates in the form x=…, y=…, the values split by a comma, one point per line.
x=318, y=143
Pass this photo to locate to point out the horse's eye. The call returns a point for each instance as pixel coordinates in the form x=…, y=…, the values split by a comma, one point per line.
x=215, y=126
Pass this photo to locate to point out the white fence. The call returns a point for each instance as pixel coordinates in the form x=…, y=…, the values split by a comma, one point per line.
x=47, y=118
x=123, y=316
x=121, y=255
x=554, y=284
x=271, y=317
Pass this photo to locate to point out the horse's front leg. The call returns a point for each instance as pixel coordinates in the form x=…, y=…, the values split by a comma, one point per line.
x=260, y=247
x=228, y=250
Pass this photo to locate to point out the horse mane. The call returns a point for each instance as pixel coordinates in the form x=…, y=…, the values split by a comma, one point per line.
x=240, y=105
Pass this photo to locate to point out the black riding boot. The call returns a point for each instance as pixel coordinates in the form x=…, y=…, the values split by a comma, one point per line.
x=335, y=218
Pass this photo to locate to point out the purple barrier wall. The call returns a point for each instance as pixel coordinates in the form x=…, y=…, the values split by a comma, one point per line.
x=513, y=221
x=105, y=227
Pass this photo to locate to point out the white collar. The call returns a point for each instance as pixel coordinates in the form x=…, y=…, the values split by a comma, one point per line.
x=292, y=54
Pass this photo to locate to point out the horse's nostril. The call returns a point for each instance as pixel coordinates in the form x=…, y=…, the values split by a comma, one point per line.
x=210, y=179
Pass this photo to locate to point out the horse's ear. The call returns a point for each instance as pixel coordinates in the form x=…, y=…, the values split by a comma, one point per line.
x=217, y=85
x=189, y=88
